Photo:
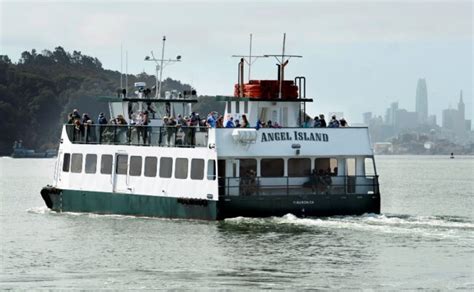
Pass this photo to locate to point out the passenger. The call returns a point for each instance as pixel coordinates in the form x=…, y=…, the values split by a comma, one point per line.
x=258, y=125
x=101, y=120
x=78, y=131
x=76, y=115
x=230, y=123
x=269, y=124
x=70, y=119
x=122, y=131
x=335, y=171
x=334, y=123
x=146, y=121
x=245, y=122
x=317, y=122
x=343, y=123
x=322, y=121
x=211, y=120
x=324, y=180
x=220, y=122
x=85, y=118
x=170, y=130
x=90, y=131
x=237, y=124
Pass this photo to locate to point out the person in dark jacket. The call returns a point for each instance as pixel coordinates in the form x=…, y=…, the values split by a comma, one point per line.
x=322, y=121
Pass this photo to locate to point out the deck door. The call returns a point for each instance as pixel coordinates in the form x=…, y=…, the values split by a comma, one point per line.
x=120, y=172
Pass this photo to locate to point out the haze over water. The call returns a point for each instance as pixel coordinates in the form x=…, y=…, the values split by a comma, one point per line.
x=423, y=239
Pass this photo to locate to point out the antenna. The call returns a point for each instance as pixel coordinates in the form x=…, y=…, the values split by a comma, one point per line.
x=121, y=66
x=282, y=63
x=248, y=59
x=160, y=64
x=126, y=74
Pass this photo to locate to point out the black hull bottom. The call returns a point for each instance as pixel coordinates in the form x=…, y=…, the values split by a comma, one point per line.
x=298, y=205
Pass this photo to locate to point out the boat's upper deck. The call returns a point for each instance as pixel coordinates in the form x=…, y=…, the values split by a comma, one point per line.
x=231, y=142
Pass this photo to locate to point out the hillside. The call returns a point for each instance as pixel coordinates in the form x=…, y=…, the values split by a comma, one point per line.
x=38, y=92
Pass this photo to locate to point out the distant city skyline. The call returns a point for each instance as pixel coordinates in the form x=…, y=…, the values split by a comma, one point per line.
x=358, y=56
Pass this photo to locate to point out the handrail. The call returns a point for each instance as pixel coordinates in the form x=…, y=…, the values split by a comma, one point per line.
x=319, y=184
x=171, y=136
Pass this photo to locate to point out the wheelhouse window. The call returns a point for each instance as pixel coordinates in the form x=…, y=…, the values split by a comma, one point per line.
x=166, y=167
x=91, y=163
x=326, y=165
x=150, y=166
x=369, y=166
x=121, y=167
x=135, y=166
x=181, y=168
x=106, y=164
x=248, y=167
x=299, y=167
x=76, y=163
x=197, y=169
x=66, y=162
x=211, y=169
x=351, y=166
x=237, y=107
x=272, y=167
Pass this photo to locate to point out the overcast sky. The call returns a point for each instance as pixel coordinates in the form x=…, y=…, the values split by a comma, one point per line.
x=357, y=55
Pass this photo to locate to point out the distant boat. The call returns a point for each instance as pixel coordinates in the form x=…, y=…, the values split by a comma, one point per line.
x=452, y=155
x=21, y=152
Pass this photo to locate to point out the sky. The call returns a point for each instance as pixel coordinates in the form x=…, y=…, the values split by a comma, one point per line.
x=358, y=56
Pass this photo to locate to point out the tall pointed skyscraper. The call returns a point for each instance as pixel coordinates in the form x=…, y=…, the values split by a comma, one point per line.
x=461, y=108
x=422, y=101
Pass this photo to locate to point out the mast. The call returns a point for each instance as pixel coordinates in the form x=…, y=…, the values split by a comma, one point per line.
x=160, y=64
x=249, y=59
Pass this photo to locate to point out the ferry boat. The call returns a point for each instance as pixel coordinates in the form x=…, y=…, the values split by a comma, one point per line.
x=210, y=173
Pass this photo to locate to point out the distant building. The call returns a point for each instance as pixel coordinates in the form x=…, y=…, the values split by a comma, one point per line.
x=449, y=119
x=366, y=118
x=454, y=119
x=422, y=101
x=405, y=120
x=390, y=114
x=431, y=120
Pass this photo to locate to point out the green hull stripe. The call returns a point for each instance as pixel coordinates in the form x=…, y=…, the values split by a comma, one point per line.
x=136, y=205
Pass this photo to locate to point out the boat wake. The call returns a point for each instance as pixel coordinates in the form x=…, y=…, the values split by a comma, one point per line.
x=427, y=226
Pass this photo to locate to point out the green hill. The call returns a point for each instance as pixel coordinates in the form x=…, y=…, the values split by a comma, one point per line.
x=38, y=92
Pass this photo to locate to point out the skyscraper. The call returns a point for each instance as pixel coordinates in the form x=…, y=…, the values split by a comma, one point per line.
x=461, y=108
x=421, y=101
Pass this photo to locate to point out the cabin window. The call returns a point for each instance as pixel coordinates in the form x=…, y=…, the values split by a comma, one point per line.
x=326, y=165
x=106, y=164
x=135, y=166
x=166, y=167
x=181, y=170
x=66, y=162
x=211, y=169
x=197, y=169
x=284, y=119
x=121, y=167
x=76, y=163
x=237, y=107
x=91, y=163
x=246, y=107
x=248, y=167
x=150, y=166
x=229, y=107
x=369, y=166
x=298, y=167
x=350, y=166
x=272, y=167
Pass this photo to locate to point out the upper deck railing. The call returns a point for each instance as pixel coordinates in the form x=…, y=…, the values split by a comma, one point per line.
x=177, y=136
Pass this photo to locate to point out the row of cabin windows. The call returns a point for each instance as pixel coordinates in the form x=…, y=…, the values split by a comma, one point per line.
x=300, y=167
x=134, y=167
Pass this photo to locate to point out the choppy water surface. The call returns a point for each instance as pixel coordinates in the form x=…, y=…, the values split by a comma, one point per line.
x=423, y=239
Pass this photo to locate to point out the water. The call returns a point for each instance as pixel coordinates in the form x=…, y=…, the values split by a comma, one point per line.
x=424, y=239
